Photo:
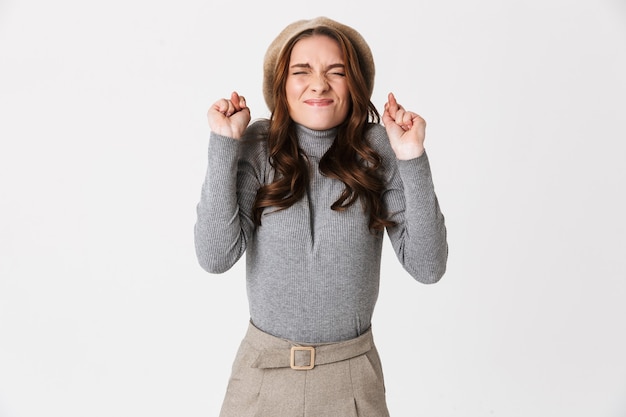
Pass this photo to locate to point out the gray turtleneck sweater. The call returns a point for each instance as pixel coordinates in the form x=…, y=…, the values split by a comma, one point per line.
x=312, y=272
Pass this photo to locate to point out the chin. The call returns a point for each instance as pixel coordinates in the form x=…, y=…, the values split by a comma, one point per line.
x=320, y=124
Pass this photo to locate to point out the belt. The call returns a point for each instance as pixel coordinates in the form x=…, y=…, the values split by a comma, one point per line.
x=301, y=358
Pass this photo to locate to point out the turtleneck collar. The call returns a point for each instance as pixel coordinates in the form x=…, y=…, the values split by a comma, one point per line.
x=315, y=143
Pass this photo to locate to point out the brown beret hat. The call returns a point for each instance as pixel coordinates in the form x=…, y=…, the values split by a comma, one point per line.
x=295, y=28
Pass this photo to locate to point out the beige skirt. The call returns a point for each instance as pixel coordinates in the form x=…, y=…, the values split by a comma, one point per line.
x=273, y=377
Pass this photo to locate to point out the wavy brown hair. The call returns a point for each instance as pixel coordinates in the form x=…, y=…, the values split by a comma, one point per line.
x=350, y=158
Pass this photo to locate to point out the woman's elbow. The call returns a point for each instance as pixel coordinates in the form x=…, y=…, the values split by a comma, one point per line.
x=215, y=263
x=213, y=267
x=431, y=272
x=432, y=277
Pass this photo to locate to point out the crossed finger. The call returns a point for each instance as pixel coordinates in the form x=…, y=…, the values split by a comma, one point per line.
x=401, y=117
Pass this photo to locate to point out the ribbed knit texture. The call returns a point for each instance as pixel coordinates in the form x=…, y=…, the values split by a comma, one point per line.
x=312, y=272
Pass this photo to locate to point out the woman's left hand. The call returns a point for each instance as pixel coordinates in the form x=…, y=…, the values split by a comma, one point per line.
x=406, y=130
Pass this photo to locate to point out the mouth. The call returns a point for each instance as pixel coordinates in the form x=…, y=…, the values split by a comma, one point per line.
x=319, y=102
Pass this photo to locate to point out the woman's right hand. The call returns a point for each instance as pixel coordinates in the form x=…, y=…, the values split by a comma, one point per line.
x=229, y=117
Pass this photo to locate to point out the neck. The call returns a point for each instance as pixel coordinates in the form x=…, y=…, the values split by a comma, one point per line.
x=315, y=143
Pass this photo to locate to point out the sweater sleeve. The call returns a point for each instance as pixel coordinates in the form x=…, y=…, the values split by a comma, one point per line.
x=419, y=236
x=224, y=223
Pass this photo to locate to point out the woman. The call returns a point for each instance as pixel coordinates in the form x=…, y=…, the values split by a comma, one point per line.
x=307, y=195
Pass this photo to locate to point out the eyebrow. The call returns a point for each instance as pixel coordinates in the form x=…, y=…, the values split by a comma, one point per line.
x=308, y=66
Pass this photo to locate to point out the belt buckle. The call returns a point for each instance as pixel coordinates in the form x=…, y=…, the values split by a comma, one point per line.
x=311, y=364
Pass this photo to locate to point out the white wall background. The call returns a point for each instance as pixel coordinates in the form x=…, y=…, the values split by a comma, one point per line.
x=103, y=308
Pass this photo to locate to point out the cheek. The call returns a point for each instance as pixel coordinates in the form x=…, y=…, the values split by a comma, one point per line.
x=342, y=91
x=289, y=92
x=345, y=97
x=292, y=90
x=293, y=84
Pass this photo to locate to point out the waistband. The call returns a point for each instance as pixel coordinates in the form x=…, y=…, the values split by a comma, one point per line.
x=275, y=352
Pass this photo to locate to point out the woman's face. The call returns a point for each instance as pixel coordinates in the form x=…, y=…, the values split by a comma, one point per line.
x=316, y=87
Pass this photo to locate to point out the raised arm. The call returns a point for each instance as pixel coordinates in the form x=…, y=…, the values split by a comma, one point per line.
x=419, y=237
x=223, y=224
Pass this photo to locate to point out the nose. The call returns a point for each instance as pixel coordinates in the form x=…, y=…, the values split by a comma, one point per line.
x=319, y=83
